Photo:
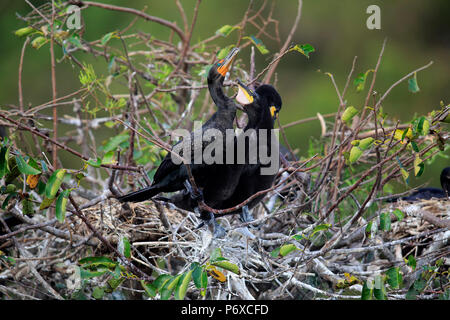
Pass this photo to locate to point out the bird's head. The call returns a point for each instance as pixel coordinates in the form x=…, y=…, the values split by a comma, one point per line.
x=264, y=96
x=221, y=67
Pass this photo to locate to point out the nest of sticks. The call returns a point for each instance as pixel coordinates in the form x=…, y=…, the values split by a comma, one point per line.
x=159, y=232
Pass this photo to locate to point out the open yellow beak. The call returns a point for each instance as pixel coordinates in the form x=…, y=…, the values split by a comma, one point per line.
x=245, y=95
x=225, y=63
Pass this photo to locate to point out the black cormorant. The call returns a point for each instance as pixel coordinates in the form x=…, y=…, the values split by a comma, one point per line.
x=215, y=180
x=262, y=107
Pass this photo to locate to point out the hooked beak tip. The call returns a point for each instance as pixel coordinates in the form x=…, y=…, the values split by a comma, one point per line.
x=227, y=61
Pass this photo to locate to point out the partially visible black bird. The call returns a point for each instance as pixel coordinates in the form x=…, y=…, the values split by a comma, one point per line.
x=215, y=180
x=262, y=107
x=430, y=192
x=3, y=132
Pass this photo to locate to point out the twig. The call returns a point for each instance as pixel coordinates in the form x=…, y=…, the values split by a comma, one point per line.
x=64, y=147
x=54, y=95
x=286, y=43
x=188, y=37
x=141, y=14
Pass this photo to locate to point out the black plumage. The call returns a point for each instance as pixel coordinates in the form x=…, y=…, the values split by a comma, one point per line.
x=214, y=179
x=262, y=112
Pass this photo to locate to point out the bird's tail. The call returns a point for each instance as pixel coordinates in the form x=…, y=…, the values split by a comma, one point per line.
x=140, y=195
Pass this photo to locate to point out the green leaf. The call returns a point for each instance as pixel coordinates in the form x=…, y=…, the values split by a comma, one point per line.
x=405, y=175
x=259, y=44
x=161, y=281
x=304, y=49
x=227, y=266
x=420, y=284
x=411, y=294
x=419, y=124
x=379, y=290
x=419, y=166
x=399, y=214
x=412, y=262
x=7, y=199
x=114, y=142
x=75, y=41
x=10, y=188
x=165, y=294
x=4, y=153
x=275, y=252
x=364, y=144
x=355, y=154
x=22, y=32
x=360, y=80
x=98, y=293
x=46, y=202
x=217, y=253
x=107, y=37
x=426, y=127
x=348, y=114
x=54, y=182
x=298, y=237
x=320, y=227
x=97, y=261
x=394, y=277
x=13, y=170
x=27, y=207
x=414, y=146
x=182, y=286
x=149, y=288
x=24, y=167
x=385, y=221
x=88, y=274
x=38, y=42
x=61, y=203
x=9, y=260
x=113, y=283
x=445, y=295
x=226, y=30
x=168, y=288
x=95, y=163
x=200, y=276
x=124, y=247
x=287, y=248
x=412, y=84
x=369, y=227
x=367, y=291
x=108, y=158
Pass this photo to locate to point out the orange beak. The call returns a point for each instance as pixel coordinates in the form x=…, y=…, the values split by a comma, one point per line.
x=225, y=63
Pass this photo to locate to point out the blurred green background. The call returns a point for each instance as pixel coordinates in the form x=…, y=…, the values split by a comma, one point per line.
x=417, y=32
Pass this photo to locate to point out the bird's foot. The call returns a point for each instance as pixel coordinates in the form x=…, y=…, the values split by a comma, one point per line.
x=209, y=220
x=246, y=215
x=195, y=195
x=216, y=229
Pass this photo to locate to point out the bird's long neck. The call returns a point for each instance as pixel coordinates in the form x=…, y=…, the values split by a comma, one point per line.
x=216, y=91
x=226, y=109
